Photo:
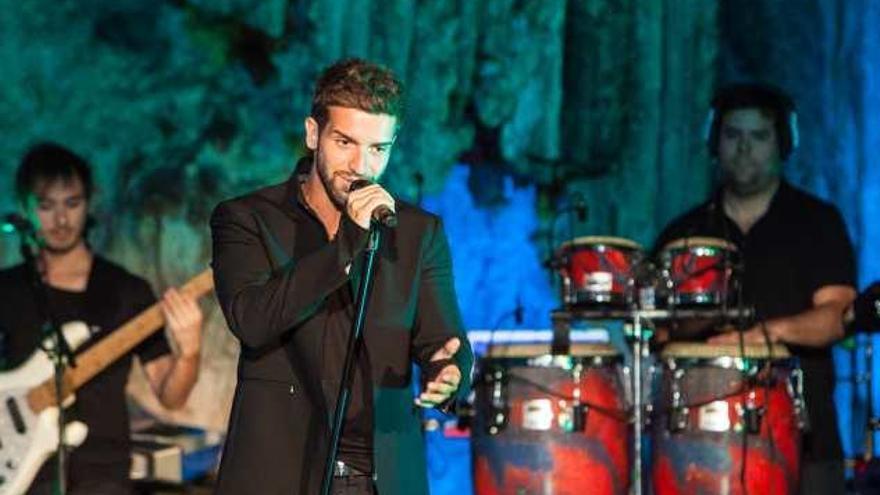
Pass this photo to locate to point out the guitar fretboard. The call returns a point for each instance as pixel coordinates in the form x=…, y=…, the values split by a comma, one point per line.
x=118, y=343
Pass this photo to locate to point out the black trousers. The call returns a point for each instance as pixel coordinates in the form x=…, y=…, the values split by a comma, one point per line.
x=93, y=487
x=353, y=485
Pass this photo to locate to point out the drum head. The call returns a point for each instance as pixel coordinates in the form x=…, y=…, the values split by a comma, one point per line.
x=690, y=242
x=708, y=351
x=596, y=240
x=519, y=350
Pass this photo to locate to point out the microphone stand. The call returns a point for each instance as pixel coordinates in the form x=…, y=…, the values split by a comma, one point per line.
x=60, y=352
x=355, y=339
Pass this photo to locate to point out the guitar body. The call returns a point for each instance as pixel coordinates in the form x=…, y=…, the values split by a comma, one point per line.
x=27, y=438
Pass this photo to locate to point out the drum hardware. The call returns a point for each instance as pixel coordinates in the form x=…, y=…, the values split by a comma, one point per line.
x=752, y=415
x=499, y=411
x=864, y=315
x=578, y=410
x=796, y=391
x=678, y=414
x=638, y=349
x=579, y=413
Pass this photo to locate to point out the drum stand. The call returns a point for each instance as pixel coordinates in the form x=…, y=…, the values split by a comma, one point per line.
x=873, y=422
x=637, y=347
x=560, y=346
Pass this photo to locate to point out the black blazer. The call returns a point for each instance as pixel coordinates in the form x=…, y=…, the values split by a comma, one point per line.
x=278, y=428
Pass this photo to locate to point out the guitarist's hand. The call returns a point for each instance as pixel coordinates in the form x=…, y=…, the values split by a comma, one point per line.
x=184, y=319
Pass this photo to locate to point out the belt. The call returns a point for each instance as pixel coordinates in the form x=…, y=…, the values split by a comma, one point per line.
x=343, y=470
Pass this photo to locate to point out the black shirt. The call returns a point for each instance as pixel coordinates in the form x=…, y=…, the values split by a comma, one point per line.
x=798, y=246
x=333, y=320
x=112, y=297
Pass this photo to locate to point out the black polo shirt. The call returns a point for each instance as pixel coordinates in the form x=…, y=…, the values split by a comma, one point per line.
x=798, y=246
x=112, y=297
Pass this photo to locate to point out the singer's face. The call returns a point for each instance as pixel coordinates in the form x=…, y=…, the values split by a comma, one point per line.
x=60, y=209
x=748, y=150
x=352, y=145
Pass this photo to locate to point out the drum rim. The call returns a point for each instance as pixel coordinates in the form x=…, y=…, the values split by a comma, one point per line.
x=694, y=350
x=577, y=350
x=599, y=240
x=698, y=241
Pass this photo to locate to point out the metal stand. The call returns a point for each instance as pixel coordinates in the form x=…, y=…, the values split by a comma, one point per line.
x=873, y=422
x=60, y=353
x=343, y=397
x=637, y=403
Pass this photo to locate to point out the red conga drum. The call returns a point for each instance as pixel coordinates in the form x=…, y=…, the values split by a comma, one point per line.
x=720, y=416
x=550, y=424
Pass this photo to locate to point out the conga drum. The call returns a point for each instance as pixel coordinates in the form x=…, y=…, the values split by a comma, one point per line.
x=548, y=424
x=721, y=416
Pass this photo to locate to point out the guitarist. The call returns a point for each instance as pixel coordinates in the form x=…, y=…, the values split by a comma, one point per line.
x=54, y=188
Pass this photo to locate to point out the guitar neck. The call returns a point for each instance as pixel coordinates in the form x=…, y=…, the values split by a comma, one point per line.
x=115, y=345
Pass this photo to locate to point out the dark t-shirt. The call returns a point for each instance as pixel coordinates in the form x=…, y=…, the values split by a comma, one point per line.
x=112, y=297
x=798, y=246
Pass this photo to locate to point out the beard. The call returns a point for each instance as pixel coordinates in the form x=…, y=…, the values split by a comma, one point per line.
x=745, y=177
x=336, y=184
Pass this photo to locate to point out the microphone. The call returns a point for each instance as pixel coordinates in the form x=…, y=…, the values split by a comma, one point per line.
x=866, y=309
x=13, y=222
x=382, y=213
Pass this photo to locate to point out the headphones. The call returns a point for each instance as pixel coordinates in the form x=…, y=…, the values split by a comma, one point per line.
x=754, y=95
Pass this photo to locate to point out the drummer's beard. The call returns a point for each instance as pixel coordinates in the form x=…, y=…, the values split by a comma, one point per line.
x=747, y=177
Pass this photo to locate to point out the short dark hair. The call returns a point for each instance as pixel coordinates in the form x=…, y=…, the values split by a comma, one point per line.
x=47, y=162
x=771, y=100
x=356, y=83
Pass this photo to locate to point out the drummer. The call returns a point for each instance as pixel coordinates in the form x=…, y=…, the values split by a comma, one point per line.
x=798, y=268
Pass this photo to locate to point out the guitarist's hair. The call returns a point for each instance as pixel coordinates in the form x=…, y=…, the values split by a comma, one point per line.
x=47, y=162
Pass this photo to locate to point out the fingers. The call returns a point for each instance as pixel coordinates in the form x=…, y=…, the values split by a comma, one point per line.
x=450, y=375
x=183, y=318
x=448, y=350
x=440, y=389
x=362, y=202
x=179, y=308
x=752, y=336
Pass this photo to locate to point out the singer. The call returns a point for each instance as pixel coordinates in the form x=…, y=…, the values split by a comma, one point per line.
x=799, y=266
x=286, y=259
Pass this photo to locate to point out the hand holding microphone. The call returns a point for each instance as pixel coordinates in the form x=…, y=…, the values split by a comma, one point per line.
x=368, y=202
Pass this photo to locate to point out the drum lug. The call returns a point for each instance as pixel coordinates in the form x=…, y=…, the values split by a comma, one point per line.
x=752, y=416
x=678, y=419
x=579, y=413
x=499, y=412
x=796, y=392
x=678, y=413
